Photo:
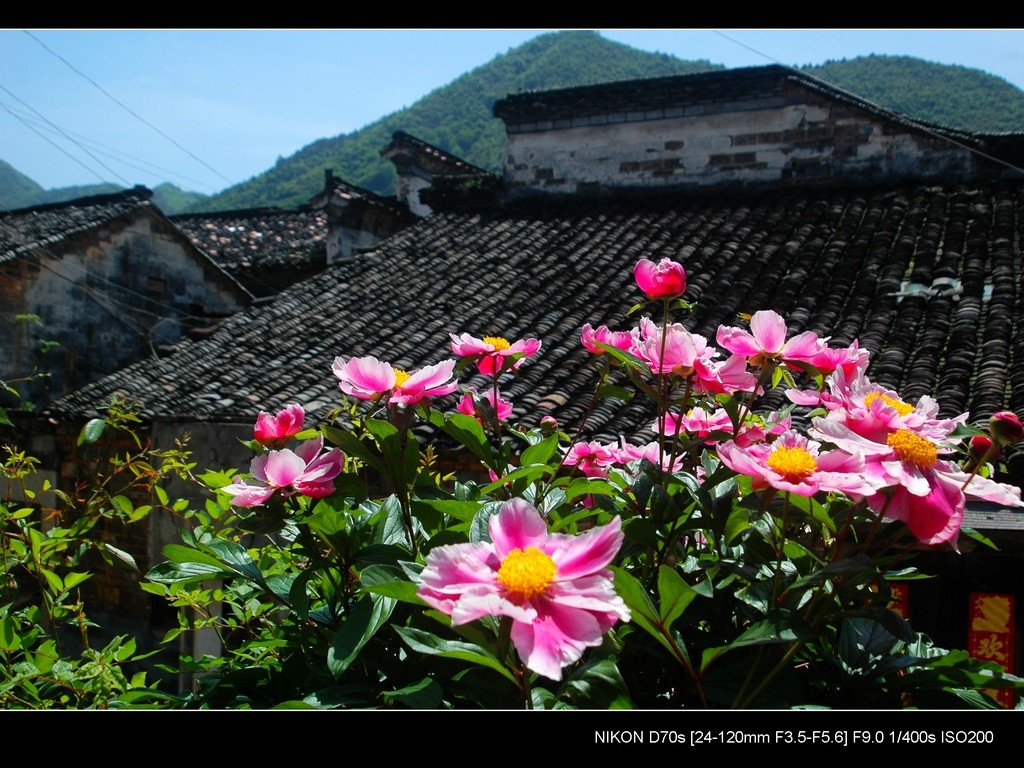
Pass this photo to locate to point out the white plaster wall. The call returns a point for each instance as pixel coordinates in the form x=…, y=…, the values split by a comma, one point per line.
x=750, y=145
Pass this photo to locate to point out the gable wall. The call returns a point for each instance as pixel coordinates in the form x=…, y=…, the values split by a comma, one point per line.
x=797, y=136
x=107, y=297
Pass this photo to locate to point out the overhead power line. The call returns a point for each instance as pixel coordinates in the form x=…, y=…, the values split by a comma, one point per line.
x=126, y=108
x=46, y=138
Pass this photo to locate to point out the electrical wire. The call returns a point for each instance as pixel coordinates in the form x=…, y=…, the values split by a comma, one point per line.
x=127, y=109
x=62, y=133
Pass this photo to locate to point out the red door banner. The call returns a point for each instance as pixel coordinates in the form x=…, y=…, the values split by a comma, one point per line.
x=900, y=596
x=991, y=636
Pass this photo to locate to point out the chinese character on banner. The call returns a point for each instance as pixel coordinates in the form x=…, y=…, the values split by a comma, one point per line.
x=990, y=636
x=900, y=599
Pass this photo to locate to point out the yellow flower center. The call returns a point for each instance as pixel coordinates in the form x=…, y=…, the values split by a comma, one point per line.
x=526, y=572
x=792, y=462
x=913, y=448
x=901, y=408
x=400, y=377
x=498, y=342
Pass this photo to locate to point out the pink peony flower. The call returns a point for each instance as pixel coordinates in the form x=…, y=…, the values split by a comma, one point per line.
x=663, y=280
x=628, y=452
x=618, y=339
x=925, y=491
x=430, y=381
x=277, y=430
x=467, y=404
x=304, y=471
x=697, y=422
x=494, y=354
x=368, y=378
x=798, y=465
x=852, y=360
x=766, y=340
x=556, y=588
x=592, y=457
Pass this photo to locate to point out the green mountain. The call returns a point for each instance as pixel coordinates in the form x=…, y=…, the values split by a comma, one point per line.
x=456, y=117
x=953, y=96
x=60, y=194
x=171, y=199
x=16, y=189
x=19, y=191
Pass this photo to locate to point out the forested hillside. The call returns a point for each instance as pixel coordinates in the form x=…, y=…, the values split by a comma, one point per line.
x=957, y=97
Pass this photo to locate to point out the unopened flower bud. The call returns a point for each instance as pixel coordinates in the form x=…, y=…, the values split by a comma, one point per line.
x=1005, y=428
x=662, y=280
x=979, y=447
x=548, y=425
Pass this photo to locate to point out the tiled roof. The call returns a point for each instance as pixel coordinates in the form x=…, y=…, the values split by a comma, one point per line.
x=402, y=141
x=40, y=226
x=689, y=94
x=265, y=249
x=258, y=238
x=335, y=187
x=930, y=279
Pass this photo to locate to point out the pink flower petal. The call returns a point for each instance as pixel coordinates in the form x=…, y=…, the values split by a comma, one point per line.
x=769, y=330
x=283, y=468
x=516, y=526
x=591, y=551
x=556, y=639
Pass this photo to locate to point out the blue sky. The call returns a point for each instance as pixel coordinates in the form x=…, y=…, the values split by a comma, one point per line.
x=205, y=109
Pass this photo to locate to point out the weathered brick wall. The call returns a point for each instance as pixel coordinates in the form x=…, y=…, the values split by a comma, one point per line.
x=767, y=139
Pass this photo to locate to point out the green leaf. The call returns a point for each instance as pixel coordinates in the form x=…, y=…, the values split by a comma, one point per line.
x=186, y=572
x=460, y=510
x=123, y=505
x=737, y=522
x=425, y=694
x=10, y=640
x=92, y=431
x=638, y=601
x=585, y=486
x=360, y=624
x=425, y=642
x=236, y=558
x=529, y=474
x=767, y=632
x=390, y=582
x=626, y=358
x=353, y=446
x=74, y=578
x=541, y=452
x=674, y=595
x=56, y=585
x=610, y=391
x=4, y=419
x=861, y=564
x=390, y=529
x=596, y=685
x=121, y=556
x=467, y=431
